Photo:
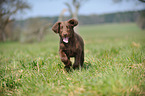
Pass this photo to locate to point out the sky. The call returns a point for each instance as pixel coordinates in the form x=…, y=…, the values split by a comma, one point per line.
x=54, y=7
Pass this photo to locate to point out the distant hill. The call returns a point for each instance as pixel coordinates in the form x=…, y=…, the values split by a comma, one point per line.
x=130, y=16
x=118, y=17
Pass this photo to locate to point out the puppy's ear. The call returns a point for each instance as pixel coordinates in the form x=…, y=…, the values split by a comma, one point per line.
x=56, y=27
x=73, y=22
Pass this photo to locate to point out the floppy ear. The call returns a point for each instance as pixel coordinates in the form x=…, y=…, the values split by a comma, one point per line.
x=73, y=22
x=56, y=27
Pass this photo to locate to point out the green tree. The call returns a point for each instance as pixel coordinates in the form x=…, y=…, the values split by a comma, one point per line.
x=141, y=18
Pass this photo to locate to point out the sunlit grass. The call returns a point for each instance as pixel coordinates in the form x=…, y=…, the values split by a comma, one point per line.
x=114, y=64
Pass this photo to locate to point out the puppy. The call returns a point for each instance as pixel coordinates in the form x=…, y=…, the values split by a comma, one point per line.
x=71, y=44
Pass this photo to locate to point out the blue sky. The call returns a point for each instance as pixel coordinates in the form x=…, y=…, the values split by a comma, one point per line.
x=54, y=7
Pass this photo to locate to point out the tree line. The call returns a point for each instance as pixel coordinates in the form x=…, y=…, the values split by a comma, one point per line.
x=118, y=17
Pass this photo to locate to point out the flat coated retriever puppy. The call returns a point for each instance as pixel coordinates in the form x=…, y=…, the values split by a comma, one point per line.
x=71, y=44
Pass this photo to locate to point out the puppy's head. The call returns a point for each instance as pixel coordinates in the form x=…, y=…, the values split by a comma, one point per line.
x=65, y=29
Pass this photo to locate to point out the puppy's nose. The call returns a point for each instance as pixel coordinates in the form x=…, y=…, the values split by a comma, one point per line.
x=65, y=34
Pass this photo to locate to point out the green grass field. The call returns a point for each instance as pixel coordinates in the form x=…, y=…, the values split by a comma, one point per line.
x=114, y=65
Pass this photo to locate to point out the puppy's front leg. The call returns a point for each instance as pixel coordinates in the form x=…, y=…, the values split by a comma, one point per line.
x=65, y=59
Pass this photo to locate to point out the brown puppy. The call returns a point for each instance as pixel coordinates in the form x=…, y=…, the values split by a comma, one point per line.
x=71, y=44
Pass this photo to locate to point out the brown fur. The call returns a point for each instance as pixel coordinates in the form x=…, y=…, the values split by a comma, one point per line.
x=71, y=44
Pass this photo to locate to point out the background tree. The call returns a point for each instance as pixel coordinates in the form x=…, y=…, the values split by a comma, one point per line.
x=141, y=20
x=62, y=15
x=8, y=11
x=34, y=30
x=74, y=5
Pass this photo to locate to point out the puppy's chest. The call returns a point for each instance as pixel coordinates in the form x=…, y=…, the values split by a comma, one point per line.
x=70, y=50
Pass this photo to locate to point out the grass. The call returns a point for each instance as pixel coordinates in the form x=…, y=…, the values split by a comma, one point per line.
x=114, y=64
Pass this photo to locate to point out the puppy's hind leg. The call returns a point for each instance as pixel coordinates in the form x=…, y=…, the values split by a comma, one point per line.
x=77, y=62
x=82, y=59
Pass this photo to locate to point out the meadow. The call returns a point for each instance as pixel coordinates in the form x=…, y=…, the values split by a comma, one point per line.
x=114, y=64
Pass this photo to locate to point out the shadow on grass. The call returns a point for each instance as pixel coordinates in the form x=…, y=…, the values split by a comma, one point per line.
x=87, y=65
